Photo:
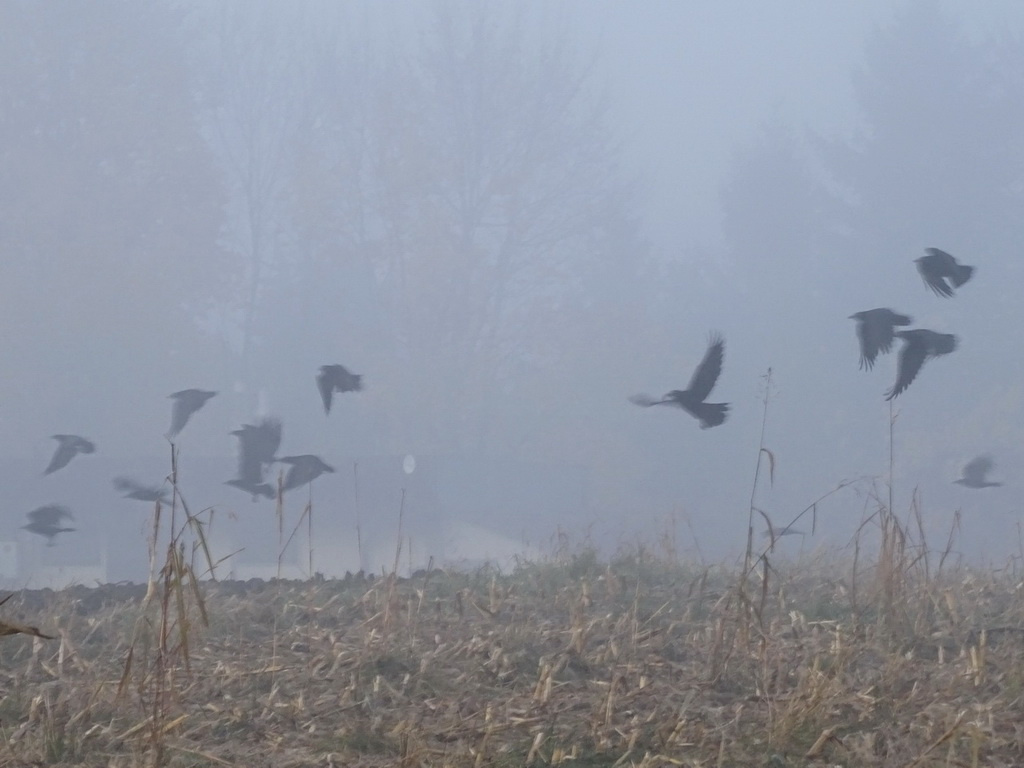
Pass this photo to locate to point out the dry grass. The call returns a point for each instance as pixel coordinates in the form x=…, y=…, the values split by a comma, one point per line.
x=638, y=661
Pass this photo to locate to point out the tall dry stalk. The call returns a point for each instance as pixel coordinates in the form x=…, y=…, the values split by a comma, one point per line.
x=761, y=450
x=159, y=657
x=744, y=604
x=393, y=576
x=892, y=424
x=359, y=525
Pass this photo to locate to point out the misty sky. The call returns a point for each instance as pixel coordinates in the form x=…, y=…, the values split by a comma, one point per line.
x=692, y=82
x=229, y=195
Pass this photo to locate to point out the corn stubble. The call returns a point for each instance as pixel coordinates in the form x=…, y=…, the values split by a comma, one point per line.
x=888, y=653
x=642, y=660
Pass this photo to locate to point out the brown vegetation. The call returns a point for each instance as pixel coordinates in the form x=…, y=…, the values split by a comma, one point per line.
x=641, y=660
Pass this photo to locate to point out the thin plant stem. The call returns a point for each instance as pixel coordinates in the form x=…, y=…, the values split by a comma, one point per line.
x=757, y=474
x=892, y=421
x=309, y=529
x=359, y=525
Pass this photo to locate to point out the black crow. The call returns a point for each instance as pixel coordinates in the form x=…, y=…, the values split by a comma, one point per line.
x=304, y=469
x=70, y=446
x=336, y=378
x=692, y=399
x=46, y=521
x=875, y=329
x=918, y=346
x=140, y=492
x=257, y=445
x=186, y=402
x=974, y=473
x=937, y=267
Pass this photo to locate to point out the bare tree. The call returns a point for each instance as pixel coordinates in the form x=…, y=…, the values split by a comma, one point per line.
x=476, y=179
x=109, y=208
x=254, y=70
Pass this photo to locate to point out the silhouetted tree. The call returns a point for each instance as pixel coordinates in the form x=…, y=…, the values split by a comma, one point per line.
x=468, y=189
x=254, y=71
x=813, y=222
x=110, y=206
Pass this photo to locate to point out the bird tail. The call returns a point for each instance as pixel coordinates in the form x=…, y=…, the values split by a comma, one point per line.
x=710, y=414
x=961, y=275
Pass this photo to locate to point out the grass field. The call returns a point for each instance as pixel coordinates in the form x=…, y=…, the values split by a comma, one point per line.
x=886, y=655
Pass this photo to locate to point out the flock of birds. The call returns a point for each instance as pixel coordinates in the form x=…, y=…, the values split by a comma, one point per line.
x=258, y=443
x=257, y=451
x=876, y=332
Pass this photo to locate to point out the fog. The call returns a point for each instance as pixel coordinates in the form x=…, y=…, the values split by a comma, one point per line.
x=508, y=218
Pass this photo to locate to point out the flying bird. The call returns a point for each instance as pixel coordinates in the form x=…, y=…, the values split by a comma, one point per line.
x=69, y=447
x=257, y=445
x=918, y=346
x=938, y=267
x=975, y=471
x=336, y=378
x=304, y=469
x=876, y=331
x=786, y=531
x=46, y=521
x=692, y=399
x=186, y=402
x=136, y=490
x=250, y=486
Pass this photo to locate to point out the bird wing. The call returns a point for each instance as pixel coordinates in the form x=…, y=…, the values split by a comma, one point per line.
x=976, y=469
x=256, y=447
x=869, y=344
x=932, y=275
x=875, y=329
x=347, y=381
x=65, y=453
x=912, y=357
x=50, y=515
x=180, y=412
x=708, y=371
x=882, y=331
x=326, y=387
x=250, y=467
x=268, y=439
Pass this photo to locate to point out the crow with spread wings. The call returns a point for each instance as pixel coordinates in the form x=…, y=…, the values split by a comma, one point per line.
x=69, y=447
x=336, y=378
x=257, y=446
x=937, y=267
x=692, y=398
x=186, y=402
x=975, y=473
x=46, y=521
x=876, y=330
x=918, y=345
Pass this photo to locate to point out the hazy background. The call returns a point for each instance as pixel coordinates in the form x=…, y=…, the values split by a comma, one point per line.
x=509, y=217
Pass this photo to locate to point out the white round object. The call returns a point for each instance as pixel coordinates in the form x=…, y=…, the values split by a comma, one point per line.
x=409, y=464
